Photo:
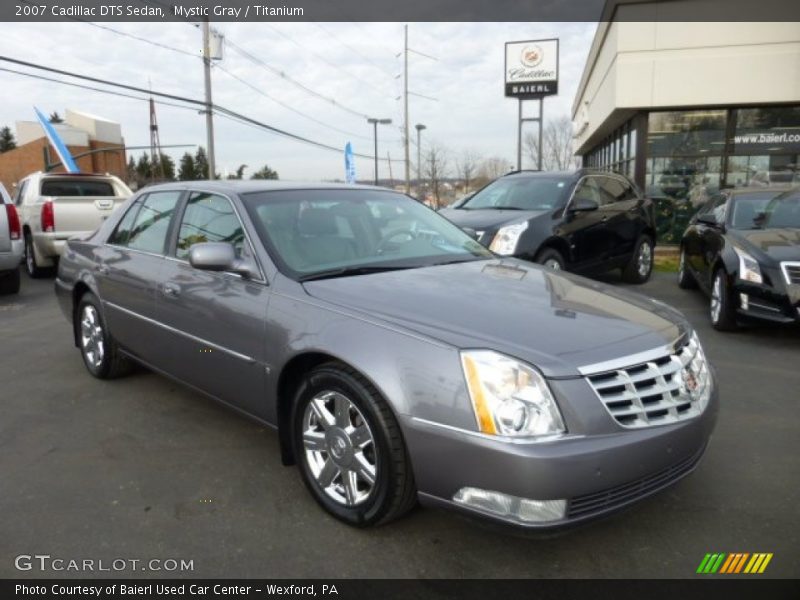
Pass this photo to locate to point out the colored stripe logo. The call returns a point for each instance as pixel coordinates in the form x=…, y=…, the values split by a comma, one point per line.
x=734, y=563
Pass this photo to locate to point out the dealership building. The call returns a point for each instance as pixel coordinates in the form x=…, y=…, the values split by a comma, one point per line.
x=687, y=108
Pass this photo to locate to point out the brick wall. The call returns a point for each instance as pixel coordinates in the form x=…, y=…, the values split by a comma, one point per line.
x=29, y=158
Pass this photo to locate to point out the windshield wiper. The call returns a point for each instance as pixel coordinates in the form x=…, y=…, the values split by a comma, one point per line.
x=348, y=271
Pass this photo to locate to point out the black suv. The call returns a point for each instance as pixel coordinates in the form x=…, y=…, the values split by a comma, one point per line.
x=584, y=221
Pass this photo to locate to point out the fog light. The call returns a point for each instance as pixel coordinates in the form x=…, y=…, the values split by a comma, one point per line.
x=744, y=301
x=512, y=507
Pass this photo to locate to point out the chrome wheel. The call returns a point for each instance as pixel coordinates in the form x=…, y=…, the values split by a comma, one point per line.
x=340, y=448
x=716, y=298
x=644, y=259
x=92, y=343
x=552, y=263
x=682, y=265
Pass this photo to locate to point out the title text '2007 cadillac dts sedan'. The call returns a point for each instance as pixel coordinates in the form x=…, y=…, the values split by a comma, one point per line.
x=398, y=358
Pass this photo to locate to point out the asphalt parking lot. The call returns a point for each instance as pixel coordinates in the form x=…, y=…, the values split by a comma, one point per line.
x=142, y=468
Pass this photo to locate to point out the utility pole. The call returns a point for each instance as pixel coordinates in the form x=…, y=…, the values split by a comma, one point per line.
x=209, y=115
x=419, y=127
x=156, y=166
x=405, y=116
x=391, y=176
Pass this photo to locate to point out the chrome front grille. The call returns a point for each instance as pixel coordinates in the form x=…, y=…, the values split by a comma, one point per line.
x=791, y=271
x=666, y=389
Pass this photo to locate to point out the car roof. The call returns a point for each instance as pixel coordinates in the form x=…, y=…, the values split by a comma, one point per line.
x=237, y=186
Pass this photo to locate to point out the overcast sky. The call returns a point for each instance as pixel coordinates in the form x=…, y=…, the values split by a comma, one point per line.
x=351, y=63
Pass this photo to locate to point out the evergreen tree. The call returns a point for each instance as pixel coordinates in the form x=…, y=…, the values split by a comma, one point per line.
x=132, y=170
x=265, y=173
x=7, y=141
x=55, y=118
x=200, y=164
x=167, y=167
x=239, y=173
x=144, y=168
x=186, y=171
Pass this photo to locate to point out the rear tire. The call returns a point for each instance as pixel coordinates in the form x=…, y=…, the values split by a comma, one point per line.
x=552, y=259
x=99, y=350
x=31, y=266
x=10, y=282
x=686, y=280
x=640, y=266
x=349, y=448
x=722, y=310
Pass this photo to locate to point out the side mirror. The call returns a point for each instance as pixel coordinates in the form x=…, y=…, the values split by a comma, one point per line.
x=218, y=256
x=470, y=232
x=583, y=205
x=708, y=219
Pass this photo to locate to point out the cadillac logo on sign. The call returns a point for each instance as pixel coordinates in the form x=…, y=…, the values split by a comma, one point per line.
x=531, y=68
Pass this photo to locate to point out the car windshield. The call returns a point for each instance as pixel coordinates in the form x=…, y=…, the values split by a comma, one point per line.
x=328, y=233
x=521, y=193
x=765, y=210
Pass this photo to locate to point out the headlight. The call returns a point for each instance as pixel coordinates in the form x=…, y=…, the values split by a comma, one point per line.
x=505, y=240
x=510, y=398
x=748, y=267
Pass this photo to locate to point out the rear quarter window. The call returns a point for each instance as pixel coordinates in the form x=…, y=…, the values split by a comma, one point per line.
x=76, y=188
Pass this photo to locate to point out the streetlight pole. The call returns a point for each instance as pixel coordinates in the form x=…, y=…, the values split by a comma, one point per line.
x=419, y=127
x=374, y=123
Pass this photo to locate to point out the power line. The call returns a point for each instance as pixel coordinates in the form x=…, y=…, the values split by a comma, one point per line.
x=141, y=39
x=293, y=81
x=217, y=108
x=357, y=52
x=287, y=106
x=325, y=60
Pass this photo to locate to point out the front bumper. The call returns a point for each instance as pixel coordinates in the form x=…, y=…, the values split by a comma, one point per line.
x=767, y=303
x=595, y=474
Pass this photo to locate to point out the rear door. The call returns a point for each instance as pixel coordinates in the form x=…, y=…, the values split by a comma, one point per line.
x=621, y=203
x=128, y=272
x=216, y=321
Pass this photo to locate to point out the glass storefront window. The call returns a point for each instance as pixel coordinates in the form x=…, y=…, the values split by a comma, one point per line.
x=683, y=133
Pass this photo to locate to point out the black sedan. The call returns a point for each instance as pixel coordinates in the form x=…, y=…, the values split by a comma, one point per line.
x=585, y=221
x=743, y=250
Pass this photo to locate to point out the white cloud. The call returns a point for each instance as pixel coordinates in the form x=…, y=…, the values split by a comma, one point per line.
x=467, y=79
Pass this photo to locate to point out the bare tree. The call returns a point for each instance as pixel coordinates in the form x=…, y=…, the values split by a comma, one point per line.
x=492, y=168
x=467, y=166
x=435, y=162
x=557, y=154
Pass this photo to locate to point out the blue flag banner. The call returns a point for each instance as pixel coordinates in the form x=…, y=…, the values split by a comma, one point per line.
x=349, y=164
x=57, y=143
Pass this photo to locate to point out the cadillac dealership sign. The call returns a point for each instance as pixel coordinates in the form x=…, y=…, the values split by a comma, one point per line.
x=532, y=68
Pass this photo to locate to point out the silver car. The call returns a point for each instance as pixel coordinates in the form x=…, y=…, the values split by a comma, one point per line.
x=397, y=358
x=11, y=244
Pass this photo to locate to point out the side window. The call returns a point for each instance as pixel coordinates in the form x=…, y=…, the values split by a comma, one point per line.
x=209, y=218
x=122, y=233
x=612, y=190
x=716, y=206
x=628, y=191
x=21, y=192
x=150, y=227
x=588, y=190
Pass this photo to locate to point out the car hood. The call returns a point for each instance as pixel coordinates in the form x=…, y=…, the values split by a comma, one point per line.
x=775, y=244
x=481, y=219
x=555, y=321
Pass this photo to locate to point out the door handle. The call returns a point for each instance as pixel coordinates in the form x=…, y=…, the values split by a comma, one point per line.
x=171, y=290
x=102, y=270
x=604, y=218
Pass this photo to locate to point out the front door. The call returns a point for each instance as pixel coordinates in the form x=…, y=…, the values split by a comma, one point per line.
x=216, y=320
x=585, y=231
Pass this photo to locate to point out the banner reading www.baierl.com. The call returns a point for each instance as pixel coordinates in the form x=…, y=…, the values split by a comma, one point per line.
x=759, y=141
x=391, y=10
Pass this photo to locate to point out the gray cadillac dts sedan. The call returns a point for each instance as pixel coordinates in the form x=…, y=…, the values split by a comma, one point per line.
x=397, y=358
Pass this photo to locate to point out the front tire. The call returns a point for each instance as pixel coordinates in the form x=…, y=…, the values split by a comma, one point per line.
x=721, y=307
x=552, y=259
x=99, y=350
x=640, y=266
x=349, y=448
